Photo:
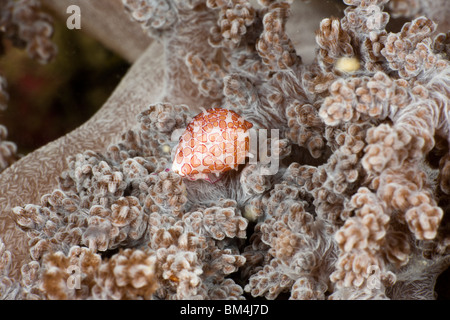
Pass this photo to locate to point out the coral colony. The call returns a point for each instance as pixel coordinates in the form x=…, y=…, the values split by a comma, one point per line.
x=358, y=207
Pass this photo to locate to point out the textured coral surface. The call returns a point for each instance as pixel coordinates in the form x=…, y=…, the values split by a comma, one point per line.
x=357, y=208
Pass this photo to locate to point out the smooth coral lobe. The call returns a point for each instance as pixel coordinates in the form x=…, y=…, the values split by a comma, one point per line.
x=215, y=141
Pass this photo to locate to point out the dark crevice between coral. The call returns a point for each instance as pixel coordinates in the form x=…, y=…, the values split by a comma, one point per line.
x=128, y=190
x=302, y=156
x=395, y=24
x=109, y=253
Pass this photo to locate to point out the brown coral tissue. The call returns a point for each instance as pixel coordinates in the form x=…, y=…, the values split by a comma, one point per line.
x=358, y=206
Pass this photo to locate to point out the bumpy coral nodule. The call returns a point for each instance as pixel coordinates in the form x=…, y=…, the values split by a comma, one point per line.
x=359, y=205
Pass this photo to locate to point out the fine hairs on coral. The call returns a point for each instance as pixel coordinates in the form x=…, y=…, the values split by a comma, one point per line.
x=358, y=207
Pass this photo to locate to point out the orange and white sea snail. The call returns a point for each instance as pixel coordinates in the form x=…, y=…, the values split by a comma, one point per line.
x=215, y=141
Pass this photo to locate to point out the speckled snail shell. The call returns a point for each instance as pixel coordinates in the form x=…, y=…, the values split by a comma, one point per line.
x=215, y=141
